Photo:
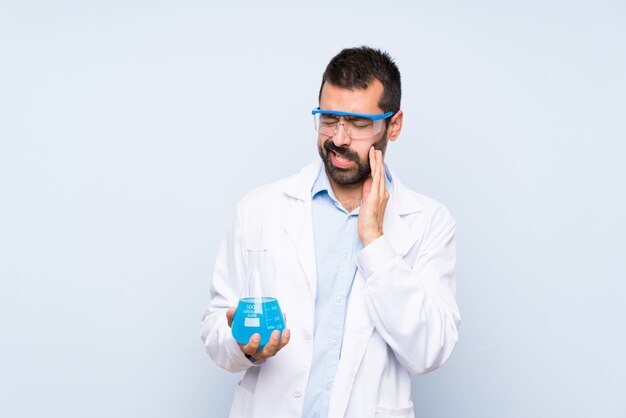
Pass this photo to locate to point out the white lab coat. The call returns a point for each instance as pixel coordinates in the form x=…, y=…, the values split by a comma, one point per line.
x=402, y=315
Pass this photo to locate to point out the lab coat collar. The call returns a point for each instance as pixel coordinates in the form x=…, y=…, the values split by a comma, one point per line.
x=299, y=225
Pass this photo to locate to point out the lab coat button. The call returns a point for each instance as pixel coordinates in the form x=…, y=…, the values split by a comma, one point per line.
x=333, y=343
x=339, y=299
x=296, y=393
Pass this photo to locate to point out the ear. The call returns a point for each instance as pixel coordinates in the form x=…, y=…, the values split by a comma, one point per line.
x=395, y=125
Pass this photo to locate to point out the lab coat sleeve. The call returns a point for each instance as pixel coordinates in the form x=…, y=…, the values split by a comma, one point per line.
x=225, y=290
x=413, y=307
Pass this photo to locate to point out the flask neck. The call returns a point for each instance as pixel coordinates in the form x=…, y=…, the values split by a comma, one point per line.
x=256, y=260
x=259, y=275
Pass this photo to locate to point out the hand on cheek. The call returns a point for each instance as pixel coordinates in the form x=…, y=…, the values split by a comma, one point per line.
x=374, y=200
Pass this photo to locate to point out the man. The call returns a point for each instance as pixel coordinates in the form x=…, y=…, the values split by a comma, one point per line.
x=364, y=267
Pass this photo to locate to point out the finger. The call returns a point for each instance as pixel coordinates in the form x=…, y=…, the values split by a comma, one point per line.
x=253, y=345
x=377, y=172
x=270, y=348
x=230, y=314
x=284, y=340
x=381, y=170
x=372, y=157
x=367, y=187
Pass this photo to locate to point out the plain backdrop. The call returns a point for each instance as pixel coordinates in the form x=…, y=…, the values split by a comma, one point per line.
x=129, y=129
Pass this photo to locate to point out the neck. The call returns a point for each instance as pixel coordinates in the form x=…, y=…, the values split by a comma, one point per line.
x=348, y=194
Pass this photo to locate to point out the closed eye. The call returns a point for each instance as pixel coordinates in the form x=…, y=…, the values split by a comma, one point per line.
x=360, y=123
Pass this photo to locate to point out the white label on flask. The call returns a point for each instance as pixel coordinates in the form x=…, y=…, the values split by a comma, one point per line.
x=252, y=322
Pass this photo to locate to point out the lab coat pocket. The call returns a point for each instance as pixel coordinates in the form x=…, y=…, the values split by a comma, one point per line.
x=242, y=403
x=390, y=412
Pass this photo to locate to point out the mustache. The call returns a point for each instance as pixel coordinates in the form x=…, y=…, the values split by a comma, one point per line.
x=344, y=152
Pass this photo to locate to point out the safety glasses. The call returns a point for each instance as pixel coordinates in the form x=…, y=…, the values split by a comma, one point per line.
x=356, y=125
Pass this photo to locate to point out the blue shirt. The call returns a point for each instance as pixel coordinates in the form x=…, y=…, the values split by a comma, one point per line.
x=337, y=244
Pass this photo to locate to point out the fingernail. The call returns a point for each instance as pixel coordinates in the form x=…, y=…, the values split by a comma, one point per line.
x=287, y=333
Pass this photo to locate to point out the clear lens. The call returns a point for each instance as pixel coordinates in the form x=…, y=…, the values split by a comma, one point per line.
x=355, y=127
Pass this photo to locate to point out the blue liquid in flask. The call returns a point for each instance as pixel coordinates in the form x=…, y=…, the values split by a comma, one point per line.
x=257, y=315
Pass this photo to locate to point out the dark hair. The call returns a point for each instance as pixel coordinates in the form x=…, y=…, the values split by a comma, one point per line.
x=356, y=68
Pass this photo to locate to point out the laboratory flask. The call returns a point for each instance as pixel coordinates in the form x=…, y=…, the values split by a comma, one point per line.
x=258, y=310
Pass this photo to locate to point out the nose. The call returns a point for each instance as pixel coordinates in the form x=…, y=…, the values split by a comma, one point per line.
x=341, y=137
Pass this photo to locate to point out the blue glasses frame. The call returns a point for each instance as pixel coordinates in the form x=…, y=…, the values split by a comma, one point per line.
x=380, y=116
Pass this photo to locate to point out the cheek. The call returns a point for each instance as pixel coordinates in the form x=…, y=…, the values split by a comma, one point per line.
x=363, y=151
x=320, y=145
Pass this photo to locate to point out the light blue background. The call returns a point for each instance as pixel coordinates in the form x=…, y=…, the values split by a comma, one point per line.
x=129, y=129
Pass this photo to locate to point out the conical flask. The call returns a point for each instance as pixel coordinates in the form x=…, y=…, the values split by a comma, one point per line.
x=258, y=310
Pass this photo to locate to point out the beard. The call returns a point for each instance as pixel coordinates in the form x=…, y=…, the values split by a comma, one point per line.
x=355, y=174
